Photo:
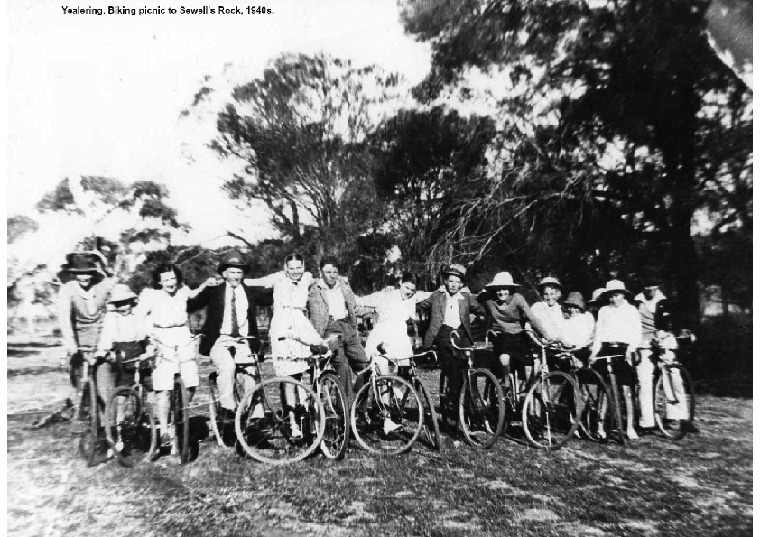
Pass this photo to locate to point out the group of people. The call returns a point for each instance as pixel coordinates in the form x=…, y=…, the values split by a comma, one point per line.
x=98, y=313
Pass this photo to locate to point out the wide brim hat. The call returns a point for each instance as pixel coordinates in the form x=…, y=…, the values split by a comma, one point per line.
x=454, y=270
x=616, y=286
x=232, y=259
x=502, y=279
x=575, y=299
x=81, y=264
x=121, y=293
x=549, y=280
x=596, y=296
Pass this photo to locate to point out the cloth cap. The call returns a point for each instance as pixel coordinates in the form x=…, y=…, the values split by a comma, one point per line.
x=455, y=270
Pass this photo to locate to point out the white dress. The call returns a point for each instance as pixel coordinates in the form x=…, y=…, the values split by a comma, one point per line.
x=289, y=319
x=393, y=311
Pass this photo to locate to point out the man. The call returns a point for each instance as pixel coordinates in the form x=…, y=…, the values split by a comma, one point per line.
x=230, y=314
x=549, y=309
x=657, y=328
x=81, y=310
x=450, y=311
x=332, y=310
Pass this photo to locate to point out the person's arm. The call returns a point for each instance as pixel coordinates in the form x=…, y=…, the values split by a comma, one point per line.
x=419, y=296
x=210, y=282
x=107, y=334
x=64, y=318
x=267, y=281
x=200, y=300
x=535, y=322
x=601, y=327
x=635, y=331
x=475, y=307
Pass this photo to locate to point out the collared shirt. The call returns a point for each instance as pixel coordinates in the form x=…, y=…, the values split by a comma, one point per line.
x=451, y=317
x=551, y=318
x=241, y=309
x=618, y=324
x=336, y=302
x=118, y=328
x=163, y=310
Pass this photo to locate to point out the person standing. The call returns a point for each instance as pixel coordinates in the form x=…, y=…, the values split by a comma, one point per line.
x=332, y=311
x=549, y=309
x=450, y=311
x=81, y=311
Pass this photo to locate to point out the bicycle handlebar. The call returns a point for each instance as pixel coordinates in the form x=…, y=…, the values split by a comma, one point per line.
x=476, y=346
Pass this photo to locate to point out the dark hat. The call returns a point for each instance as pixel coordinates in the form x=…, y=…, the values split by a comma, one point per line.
x=455, y=269
x=232, y=259
x=81, y=263
x=575, y=299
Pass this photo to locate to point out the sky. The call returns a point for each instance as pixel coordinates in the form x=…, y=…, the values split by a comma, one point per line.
x=102, y=95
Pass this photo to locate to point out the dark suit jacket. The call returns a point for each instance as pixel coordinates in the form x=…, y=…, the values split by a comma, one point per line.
x=437, y=305
x=212, y=298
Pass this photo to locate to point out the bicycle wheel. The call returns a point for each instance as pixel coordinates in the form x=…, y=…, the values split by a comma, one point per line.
x=669, y=403
x=88, y=437
x=337, y=431
x=481, y=408
x=387, y=415
x=133, y=437
x=181, y=419
x=512, y=416
x=263, y=425
x=617, y=425
x=551, y=411
x=596, y=414
x=431, y=430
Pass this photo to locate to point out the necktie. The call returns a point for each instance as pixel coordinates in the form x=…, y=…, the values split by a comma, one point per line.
x=234, y=328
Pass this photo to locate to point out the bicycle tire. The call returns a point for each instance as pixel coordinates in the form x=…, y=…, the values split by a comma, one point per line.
x=181, y=419
x=660, y=403
x=88, y=438
x=481, y=408
x=368, y=413
x=431, y=429
x=337, y=428
x=558, y=417
x=618, y=411
x=512, y=413
x=592, y=415
x=133, y=439
x=267, y=438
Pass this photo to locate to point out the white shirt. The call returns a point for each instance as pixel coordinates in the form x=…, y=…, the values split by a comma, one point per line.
x=241, y=308
x=162, y=309
x=578, y=331
x=618, y=324
x=336, y=302
x=451, y=317
x=551, y=318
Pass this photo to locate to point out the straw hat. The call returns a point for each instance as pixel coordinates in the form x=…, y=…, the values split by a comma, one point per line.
x=616, y=286
x=455, y=270
x=121, y=293
x=549, y=281
x=502, y=279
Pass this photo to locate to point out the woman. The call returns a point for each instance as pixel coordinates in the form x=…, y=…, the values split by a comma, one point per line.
x=389, y=341
x=290, y=332
x=165, y=307
x=509, y=311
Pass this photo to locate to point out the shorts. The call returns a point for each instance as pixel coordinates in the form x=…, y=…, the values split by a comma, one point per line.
x=163, y=374
x=624, y=372
x=517, y=346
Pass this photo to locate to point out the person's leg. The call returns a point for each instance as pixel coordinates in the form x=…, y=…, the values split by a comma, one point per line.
x=357, y=358
x=225, y=367
x=162, y=405
x=677, y=406
x=645, y=374
x=104, y=379
x=446, y=353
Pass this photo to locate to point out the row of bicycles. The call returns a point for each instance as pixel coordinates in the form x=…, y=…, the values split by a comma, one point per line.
x=547, y=410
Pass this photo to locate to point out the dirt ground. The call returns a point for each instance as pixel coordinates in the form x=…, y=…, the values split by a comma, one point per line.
x=701, y=485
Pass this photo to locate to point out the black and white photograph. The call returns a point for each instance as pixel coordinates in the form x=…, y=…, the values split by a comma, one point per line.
x=361, y=268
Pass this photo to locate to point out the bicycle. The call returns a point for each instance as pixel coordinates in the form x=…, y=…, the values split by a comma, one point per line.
x=481, y=408
x=431, y=430
x=133, y=435
x=617, y=424
x=220, y=421
x=551, y=409
x=672, y=379
x=380, y=399
x=179, y=415
x=262, y=421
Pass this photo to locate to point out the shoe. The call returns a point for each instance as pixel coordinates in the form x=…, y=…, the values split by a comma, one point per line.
x=631, y=434
x=647, y=431
x=110, y=454
x=166, y=440
x=258, y=411
x=602, y=434
x=119, y=444
x=689, y=427
x=390, y=426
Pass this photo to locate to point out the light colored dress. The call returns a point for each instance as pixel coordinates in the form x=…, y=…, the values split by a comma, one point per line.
x=289, y=319
x=393, y=311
